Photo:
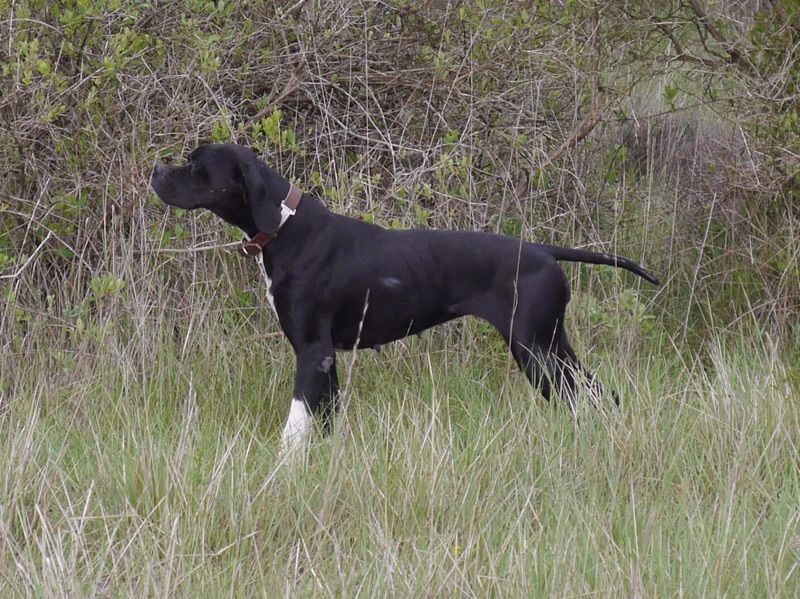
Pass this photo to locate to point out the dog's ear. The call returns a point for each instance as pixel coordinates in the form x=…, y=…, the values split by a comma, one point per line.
x=265, y=211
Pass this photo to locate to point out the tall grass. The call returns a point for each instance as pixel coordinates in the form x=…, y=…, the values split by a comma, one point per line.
x=144, y=463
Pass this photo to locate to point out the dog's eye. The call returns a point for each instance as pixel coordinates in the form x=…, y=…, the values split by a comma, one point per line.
x=198, y=172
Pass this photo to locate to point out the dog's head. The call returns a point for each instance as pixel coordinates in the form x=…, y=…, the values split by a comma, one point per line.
x=230, y=181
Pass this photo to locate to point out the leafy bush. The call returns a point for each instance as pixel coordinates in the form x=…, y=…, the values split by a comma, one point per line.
x=487, y=115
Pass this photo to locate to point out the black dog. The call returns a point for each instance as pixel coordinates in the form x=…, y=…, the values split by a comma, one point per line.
x=339, y=283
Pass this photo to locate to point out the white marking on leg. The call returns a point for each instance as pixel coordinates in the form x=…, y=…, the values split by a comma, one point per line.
x=325, y=365
x=297, y=430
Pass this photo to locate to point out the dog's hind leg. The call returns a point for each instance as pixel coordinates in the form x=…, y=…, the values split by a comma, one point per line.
x=594, y=387
x=547, y=358
x=539, y=341
x=499, y=312
x=533, y=362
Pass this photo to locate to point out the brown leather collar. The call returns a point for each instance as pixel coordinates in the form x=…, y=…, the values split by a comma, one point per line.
x=293, y=197
x=253, y=247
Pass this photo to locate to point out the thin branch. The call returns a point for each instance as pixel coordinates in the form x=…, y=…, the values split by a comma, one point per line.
x=193, y=250
x=736, y=56
x=292, y=11
x=680, y=53
x=29, y=260
x=576, y=136
x=291, y=87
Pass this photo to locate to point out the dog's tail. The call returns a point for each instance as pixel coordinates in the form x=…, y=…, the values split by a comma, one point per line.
x=573, y=255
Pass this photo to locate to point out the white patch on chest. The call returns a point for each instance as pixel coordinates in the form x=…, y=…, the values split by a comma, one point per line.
x=267, y=281
x=295, y=434
x=286, y=213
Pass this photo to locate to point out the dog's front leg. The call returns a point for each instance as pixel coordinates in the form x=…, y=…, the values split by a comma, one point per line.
x=314, y=362
x=330, y=408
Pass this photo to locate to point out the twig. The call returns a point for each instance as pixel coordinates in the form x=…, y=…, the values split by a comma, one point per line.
x=349, y=375
x=577, y=135
x=735, y=54
x=680, y=53
x=30, y=258
x=292, y=11
x=291, y=86
x=193, y=250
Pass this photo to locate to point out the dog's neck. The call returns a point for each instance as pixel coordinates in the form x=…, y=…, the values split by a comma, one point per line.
x=306, y=216
x=254, y=246
x=240, y=215
x=240, y=219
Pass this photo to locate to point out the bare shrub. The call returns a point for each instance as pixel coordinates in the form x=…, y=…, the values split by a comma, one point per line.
x=705, y=160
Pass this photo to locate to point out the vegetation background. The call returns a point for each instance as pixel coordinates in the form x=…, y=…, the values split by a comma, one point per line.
x=143, y=381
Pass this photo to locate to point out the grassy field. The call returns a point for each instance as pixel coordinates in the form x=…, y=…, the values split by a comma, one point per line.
x=143, y=462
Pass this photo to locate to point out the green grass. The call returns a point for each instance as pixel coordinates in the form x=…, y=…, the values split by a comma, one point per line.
x=137, y=471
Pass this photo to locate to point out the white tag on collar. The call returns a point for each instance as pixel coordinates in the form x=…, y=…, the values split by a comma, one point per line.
x=286, y=212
